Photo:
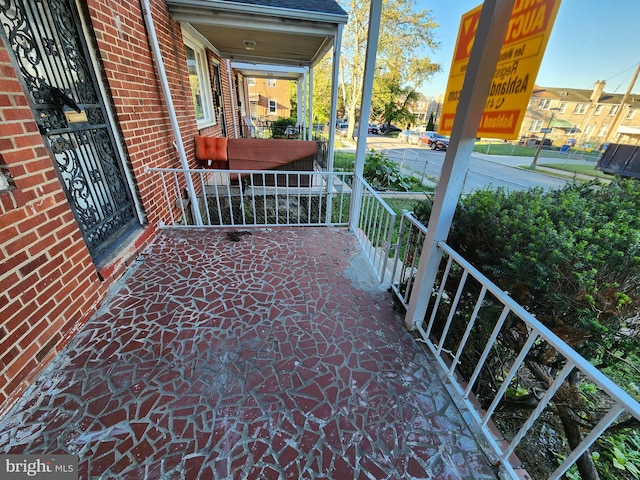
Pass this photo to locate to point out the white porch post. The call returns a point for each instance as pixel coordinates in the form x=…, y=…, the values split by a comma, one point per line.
x=335, y=76
x=304, y=105
x=299, y=106
x=375, y=13
x=492, y=28
x=310, y=119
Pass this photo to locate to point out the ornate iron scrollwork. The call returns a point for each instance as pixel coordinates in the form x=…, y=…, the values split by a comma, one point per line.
x=52, y=57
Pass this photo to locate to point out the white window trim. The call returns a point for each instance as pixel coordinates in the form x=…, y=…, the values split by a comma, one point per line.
x=202, y=67
x=631, y=113
x=544, y=104
x=614, y=109
x=580, y=109
x=598, y=109
x=275, y=108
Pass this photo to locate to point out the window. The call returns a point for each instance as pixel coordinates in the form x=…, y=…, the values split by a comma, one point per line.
x=598, y=110
x=603, y=131
x=544, y=104
x=580, y=108
x=273, y=106
x=588, y=131
x=535, y=126
x=251, y=81
x=614, y=110
x=271, y=82
x=563, y=107
x=631, y=113
x=199, y=81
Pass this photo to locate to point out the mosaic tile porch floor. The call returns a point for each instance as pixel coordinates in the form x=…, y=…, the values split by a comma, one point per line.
x=270, y=357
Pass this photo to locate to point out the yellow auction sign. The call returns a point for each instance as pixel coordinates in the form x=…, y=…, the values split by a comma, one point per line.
x=522, y=50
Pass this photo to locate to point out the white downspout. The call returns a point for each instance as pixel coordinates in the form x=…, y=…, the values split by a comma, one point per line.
x=164, y=83
x=233, y=107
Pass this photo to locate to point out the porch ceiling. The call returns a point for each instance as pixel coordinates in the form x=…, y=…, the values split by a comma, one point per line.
x=283, y=34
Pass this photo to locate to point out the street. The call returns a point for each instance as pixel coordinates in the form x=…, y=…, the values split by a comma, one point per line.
x=484, y=170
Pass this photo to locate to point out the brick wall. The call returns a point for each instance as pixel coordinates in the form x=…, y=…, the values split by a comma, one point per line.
x=48, y=282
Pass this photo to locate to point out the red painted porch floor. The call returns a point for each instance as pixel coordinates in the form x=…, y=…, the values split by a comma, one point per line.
x=268, y=357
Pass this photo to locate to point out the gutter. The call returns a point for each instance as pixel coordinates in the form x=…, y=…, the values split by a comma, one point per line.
x=162, y=76
x=211, y=6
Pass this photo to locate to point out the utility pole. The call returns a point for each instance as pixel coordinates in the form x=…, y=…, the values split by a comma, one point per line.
x=622, y=103
x=544, y=136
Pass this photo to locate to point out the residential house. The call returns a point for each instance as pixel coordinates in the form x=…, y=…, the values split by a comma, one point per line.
x=424, y=107
x=269, y=98
x=92, y=95
x=589, y=117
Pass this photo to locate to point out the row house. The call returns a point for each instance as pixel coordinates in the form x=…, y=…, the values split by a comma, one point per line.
x=589, y=118
x=269, y=99
x=92, y=95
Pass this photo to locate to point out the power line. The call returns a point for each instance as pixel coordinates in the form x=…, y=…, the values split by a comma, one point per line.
x=621, y=73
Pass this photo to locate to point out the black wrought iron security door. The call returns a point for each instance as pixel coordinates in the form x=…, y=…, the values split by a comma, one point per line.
x=50, y=52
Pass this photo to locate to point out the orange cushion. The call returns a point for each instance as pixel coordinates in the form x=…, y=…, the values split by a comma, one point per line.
x=211, y=148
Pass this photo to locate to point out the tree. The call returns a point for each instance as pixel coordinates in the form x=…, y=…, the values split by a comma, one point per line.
x=404, y=31
x=572, y=258
x=395, y=89
x=430, y=125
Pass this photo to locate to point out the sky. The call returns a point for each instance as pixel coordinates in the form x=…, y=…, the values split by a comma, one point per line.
x=591, y=40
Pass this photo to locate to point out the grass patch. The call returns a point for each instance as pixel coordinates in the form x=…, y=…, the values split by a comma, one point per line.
x=522, y=151
x=581, y=169
x=504, y=149
x=400, y=204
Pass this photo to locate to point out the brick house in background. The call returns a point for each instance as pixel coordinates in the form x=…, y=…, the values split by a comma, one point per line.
x=587, y=116
x=269, y=98
x=83, y=113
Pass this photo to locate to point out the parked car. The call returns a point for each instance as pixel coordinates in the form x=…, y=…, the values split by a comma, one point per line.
x=414, y=137
x=405, y=134
x=534, y=141
x=434, y=141
x=341, y=128
x=392, y=128
x=373, y=128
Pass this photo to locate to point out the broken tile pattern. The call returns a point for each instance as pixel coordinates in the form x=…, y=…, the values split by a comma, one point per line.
x=251, y=359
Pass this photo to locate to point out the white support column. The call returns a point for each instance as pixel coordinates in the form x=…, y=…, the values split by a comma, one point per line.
x=299, y=107
x=310, y=119
x=492, y=27
x=375, y=13
x=335, y=76
x=305, y=79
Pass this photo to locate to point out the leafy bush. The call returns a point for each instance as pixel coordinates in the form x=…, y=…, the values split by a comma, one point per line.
x=279, y=126
x=384, y=174
x=572, y=258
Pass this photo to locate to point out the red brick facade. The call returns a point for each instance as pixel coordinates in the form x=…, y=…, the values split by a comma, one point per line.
x=49, y=282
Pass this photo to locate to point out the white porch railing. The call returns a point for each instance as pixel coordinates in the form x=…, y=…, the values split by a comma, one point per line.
x=251, y=198
x=258, y=198
x=452, y=320
x=375, y=229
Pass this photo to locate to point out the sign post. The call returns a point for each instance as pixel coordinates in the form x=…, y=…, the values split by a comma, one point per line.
x=522, y=50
